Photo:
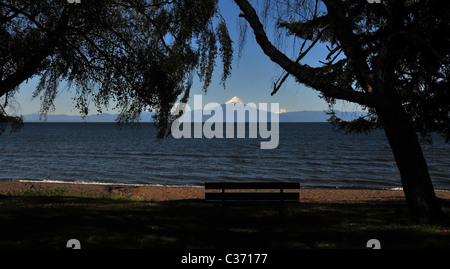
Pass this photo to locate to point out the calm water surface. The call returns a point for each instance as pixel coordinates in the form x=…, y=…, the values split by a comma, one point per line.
x=309, y=153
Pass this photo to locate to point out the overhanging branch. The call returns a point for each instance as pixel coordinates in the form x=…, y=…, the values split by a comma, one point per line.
x=304, y=74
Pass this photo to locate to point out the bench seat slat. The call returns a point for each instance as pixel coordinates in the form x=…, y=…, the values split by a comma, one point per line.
x=252, y=196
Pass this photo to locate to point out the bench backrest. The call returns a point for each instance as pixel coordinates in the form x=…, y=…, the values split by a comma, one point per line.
x=252, y=196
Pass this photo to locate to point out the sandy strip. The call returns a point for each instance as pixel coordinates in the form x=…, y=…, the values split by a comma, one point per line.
x=165, y=193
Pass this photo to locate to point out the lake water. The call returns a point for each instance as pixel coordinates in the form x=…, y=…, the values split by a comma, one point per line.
x=309, y=153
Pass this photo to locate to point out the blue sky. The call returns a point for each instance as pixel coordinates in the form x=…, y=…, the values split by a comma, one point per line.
x=252, y=78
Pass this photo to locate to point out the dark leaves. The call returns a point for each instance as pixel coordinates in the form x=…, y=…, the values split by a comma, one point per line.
x=362, y=124
x=226, y=50
x=133, y=55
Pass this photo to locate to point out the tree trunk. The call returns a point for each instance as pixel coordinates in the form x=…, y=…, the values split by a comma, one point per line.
x=417, y=186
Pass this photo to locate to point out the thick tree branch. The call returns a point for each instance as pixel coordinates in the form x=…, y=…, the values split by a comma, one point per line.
x=29, y=68
x=299, y=58
x=304, y=74
x=35, y=57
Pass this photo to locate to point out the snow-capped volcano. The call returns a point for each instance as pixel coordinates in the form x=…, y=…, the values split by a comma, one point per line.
x=235, y=100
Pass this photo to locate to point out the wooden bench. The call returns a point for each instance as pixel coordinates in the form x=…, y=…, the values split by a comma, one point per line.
x=246, y=193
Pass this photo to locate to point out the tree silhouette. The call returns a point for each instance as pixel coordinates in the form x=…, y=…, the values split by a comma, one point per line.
x=391, y=58
x=139, y=54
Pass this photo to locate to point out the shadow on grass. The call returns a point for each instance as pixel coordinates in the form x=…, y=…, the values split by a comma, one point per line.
x=48, y=222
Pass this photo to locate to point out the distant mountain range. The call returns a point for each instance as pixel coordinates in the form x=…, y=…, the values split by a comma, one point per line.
x=104, y=117
x=297, y=116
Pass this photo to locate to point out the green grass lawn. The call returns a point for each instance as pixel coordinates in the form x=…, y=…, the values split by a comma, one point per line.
x=49, y=219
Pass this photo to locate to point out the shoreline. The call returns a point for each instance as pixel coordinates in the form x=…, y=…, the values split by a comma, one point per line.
x=155, y=192
x=190, y=186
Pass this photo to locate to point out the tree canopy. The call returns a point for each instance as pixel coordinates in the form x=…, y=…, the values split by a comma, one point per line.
x=403, y=45
x=137, y=54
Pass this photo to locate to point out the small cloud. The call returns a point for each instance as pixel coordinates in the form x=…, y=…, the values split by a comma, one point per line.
x=281, y=111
